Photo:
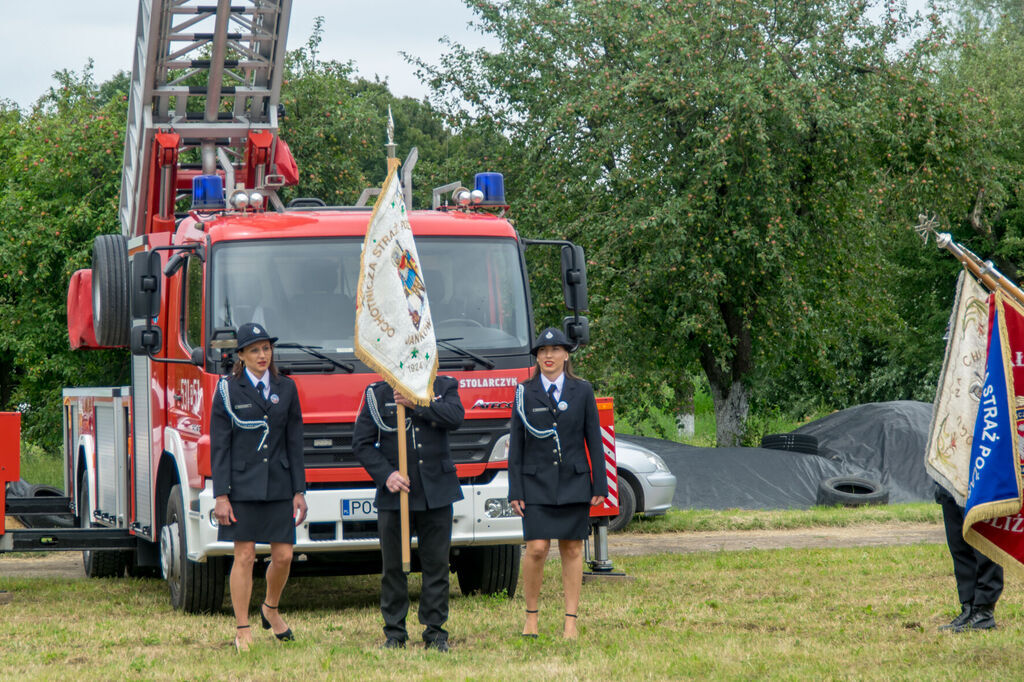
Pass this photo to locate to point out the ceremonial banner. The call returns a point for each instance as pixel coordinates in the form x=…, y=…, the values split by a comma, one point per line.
x=947, y=458
x=394, y=331
x=992, y=522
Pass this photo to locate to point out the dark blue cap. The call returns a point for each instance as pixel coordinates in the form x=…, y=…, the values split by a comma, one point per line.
x=251, y=333
x=551, y=337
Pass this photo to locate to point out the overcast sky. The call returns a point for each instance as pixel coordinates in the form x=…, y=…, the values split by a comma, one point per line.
x=43, y=36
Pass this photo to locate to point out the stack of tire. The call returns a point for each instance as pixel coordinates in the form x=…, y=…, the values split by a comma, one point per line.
x=22, y=488
x=846, y=491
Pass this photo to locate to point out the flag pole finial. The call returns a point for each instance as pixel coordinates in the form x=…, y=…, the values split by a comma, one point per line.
x=391, y=146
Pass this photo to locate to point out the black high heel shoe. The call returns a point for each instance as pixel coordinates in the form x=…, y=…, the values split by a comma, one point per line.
x=285, y=636
x=531, y=635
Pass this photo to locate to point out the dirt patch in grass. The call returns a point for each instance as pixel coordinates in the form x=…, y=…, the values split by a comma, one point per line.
x=69, y=564
x=865, y=535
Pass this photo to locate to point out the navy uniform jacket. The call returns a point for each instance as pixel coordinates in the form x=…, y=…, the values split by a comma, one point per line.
x=433, y=482
x=541, y=471
x=242, y=468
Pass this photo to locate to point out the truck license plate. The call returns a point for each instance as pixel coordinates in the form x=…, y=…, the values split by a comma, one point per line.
x=358, y=510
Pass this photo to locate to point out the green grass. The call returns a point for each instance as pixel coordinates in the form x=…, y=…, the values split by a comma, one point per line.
x=861, y=613
x=680, y=520
x=38, y=466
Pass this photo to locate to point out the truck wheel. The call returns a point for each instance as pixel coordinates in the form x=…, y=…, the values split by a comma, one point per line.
x=110, y=304
x=97, y=564
x=627, y=506
x=488, y=570
x=196, y=587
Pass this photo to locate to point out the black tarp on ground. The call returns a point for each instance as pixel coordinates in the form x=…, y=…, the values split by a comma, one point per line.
x=884, y=442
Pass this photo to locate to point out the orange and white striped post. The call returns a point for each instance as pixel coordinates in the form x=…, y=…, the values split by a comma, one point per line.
x=606, y=415
x=600, y=563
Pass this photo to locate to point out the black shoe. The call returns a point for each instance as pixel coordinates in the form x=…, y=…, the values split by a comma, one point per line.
x=965, y=615
x=981, y=618
x=438, y=645
x=393, y=643
x=285, y=636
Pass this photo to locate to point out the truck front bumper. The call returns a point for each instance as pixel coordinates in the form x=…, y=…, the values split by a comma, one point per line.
x=342, y=520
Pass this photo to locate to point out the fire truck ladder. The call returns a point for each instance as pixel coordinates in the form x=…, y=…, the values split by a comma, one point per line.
x=208, y=71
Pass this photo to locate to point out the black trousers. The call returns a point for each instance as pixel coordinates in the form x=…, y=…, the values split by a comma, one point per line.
x=979, y=580
x=433, y=529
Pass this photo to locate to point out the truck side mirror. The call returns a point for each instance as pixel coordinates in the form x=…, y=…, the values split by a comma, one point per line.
x=146, y=340
x=574, y=278
x=145, y=288
x=577, y=330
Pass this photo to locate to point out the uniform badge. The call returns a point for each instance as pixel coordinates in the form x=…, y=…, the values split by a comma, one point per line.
x=274, y=399
x=562, y=405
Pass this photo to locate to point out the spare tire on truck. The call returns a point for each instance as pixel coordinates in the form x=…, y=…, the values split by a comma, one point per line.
x=851, y=491
x=111, y=319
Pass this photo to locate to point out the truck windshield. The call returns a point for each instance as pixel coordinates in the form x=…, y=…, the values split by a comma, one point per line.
x=304, y=290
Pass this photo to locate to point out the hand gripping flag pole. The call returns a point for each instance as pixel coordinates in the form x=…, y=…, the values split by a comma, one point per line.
x=394, y=331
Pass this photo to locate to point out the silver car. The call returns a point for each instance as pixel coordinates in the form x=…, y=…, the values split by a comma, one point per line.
x=646, y=485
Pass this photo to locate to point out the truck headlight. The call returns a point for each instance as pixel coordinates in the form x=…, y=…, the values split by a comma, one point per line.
x=499, y=453
x=498, y=508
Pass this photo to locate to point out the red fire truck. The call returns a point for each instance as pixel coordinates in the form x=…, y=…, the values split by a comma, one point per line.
x=206, y=245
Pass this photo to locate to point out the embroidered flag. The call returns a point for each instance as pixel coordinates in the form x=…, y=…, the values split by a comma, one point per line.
x=394, y=331
x=992, y=522
x=947, y=458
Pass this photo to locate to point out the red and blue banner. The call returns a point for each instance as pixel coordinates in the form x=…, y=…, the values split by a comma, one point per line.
x=993, y=523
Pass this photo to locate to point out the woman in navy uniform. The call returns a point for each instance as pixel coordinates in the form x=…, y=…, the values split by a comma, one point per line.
x=259, y=479
x=432, y=485
x=552, y=480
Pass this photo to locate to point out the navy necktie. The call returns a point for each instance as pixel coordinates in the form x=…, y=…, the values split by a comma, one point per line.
x=259, y=389
x=551, y=394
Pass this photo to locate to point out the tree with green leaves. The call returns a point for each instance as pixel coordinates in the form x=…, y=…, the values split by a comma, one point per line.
x=728, y=164
x=60, y=167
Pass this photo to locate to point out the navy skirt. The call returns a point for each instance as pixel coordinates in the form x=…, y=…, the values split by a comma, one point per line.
x=556, y=521
x=260, y=522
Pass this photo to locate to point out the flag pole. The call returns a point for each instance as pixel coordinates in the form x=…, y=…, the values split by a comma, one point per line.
x=403, y=456
x=403, y=468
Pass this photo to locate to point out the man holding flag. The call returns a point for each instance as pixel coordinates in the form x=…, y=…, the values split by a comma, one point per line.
x=979, y=580
x=432, y=487
x=408, y=457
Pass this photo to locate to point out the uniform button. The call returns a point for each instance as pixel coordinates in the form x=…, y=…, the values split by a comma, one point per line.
x=264, y=459
x=555, y=463
x=421, y=461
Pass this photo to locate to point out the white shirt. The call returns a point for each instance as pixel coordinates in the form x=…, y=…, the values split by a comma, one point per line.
x=546, y=383
x=265, y=379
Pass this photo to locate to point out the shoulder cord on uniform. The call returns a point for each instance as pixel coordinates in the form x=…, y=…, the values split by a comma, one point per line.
x=371, y=402
x=534, y=431
x=222, y=387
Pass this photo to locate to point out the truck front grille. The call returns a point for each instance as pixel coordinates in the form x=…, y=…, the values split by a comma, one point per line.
x=330, y=445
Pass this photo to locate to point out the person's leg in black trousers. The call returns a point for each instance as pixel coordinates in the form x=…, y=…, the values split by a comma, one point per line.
x=394, y=586
x=979, y=580
x=434, y=532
